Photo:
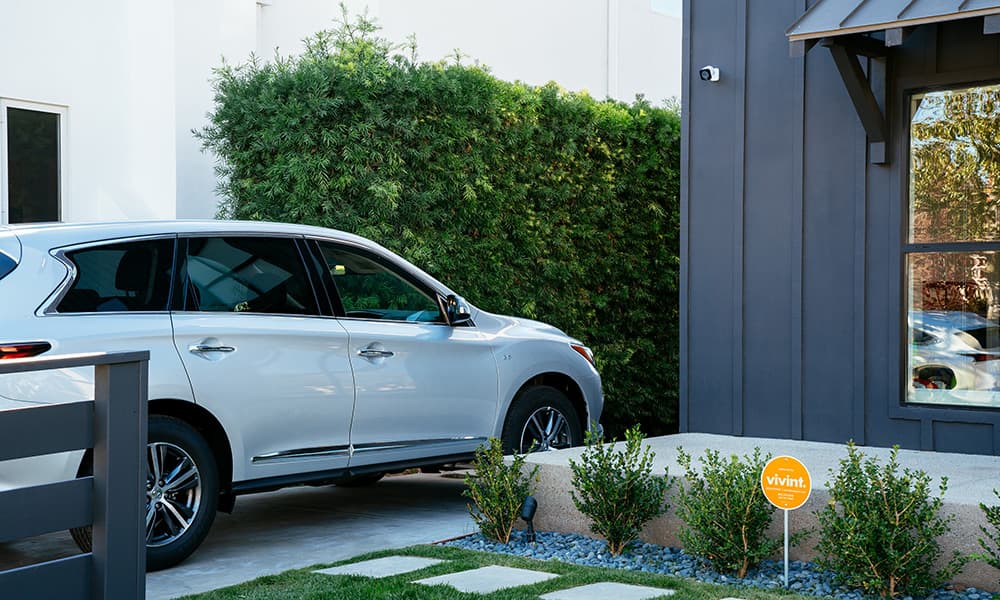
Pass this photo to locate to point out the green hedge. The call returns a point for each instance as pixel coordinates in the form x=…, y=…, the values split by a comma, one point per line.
x=528, y=201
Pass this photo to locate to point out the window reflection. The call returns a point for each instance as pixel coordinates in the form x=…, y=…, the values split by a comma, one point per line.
x=954, y=165
x=954, y=328
x=953, y=309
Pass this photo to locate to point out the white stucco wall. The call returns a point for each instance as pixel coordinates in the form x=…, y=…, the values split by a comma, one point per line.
x=207, y=32
x=614, y=48
x=111, y=64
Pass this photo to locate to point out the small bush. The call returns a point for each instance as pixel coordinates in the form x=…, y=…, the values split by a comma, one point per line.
x=879, y=532
x=498, y=489
x=725, y=512
x=990, y=545
x=617, y=489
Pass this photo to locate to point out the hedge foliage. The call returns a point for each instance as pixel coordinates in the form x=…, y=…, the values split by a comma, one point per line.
x=529, y=201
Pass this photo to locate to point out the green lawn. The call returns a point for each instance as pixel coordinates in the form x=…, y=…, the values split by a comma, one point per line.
x=303, y=583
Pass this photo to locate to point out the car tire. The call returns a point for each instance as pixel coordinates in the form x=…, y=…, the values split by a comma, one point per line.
x=181, y=515
x=541, y=418
x=361, y=480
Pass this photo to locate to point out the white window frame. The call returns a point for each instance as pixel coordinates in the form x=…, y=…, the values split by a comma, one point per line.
x=57, y=109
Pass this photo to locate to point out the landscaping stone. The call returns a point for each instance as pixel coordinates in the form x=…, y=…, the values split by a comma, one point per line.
x=604, y=590
x=804, y=578
x=382, y=567
x=488, y=579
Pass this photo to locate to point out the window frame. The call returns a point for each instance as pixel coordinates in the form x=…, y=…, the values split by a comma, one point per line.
x=49, y=308
x=909, y=248
x=178, y=292
x=63, y=113
x=333, y=293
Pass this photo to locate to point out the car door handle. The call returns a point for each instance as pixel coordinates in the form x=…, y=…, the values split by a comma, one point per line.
x=374, y=353
x=202, y=348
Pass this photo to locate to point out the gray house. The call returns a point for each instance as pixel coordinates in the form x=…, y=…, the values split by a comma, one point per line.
x=841, y=221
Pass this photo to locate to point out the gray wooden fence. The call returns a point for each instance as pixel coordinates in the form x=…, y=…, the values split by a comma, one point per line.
x=112, y=500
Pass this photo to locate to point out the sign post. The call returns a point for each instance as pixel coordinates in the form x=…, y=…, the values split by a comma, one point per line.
x=786, y=484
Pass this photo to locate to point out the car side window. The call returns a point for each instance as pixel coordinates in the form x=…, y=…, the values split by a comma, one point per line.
x=370, y=289
x=246, y=274
x=125, y=277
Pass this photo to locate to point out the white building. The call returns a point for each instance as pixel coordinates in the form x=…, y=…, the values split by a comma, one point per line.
x=98, y=100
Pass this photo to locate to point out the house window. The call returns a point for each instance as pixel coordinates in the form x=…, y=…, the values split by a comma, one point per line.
x=953, y=248
x=31, y=162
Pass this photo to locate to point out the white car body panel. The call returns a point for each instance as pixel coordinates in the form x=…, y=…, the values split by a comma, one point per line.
x=437, y=390
x=285, y=370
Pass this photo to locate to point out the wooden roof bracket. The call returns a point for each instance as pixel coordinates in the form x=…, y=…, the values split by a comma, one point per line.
x=845, y=51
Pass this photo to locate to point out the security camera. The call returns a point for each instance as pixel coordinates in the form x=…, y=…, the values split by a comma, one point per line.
x=709, y=73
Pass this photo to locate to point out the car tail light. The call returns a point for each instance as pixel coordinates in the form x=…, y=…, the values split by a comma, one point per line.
x=23, y=350
x=584, y=352
x=985, y=357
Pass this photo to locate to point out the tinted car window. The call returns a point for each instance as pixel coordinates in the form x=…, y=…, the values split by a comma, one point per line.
x=7, y=265
x=247, y=274
x=132, y=276
x=369, y=289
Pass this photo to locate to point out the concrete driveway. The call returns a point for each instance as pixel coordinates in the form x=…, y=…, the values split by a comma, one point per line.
x=297, y=527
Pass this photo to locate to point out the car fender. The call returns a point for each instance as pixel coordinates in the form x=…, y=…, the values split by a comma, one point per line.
x=520, y=362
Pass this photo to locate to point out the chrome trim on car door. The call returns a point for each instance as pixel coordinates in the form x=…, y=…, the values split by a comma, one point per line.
x=412, y=444
x=302, y=453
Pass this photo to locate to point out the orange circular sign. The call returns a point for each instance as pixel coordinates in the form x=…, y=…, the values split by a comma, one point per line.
x=786, y=482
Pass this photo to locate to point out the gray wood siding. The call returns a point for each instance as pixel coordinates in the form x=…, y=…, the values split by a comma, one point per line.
x=792, y=278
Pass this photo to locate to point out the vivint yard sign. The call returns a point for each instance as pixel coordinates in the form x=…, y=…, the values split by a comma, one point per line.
x=786, y=484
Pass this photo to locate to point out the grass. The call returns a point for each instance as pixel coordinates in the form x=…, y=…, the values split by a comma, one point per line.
x=304, y=583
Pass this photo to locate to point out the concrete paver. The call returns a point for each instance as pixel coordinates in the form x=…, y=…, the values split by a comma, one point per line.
x=386, y=566
x=486, y=580
x=605, y=589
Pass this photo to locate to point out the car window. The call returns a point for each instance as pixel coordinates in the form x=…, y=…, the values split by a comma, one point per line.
x=247, y=274
x=131, y=276
x=369, y=289
x=7, y=265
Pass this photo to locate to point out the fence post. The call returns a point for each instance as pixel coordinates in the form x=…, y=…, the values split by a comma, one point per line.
x=120, y=394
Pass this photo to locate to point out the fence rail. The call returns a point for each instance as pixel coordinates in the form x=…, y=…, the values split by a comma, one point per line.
x=112, y=500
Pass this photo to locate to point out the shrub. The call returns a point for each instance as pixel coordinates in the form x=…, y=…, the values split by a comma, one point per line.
x=879, y=532
x=528, y=201
x=616, y=489
x=725, y=512
x=990, y=545
x=498, y=490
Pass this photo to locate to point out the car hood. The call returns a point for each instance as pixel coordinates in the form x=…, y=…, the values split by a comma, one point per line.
x=521, y=327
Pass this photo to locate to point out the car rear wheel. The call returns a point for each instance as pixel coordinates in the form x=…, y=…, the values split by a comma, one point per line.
x=182, y=493
x=541, y=418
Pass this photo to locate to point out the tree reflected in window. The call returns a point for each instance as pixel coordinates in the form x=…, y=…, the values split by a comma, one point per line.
x=954, y=165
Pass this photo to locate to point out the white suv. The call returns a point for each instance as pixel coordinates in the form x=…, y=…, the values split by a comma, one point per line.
x=280, y=355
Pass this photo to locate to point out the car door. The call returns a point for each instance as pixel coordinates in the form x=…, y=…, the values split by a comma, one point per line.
x=262, y=356
x=422, y=388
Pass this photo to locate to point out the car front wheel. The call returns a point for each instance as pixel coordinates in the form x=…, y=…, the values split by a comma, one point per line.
x=182, y=492
x=541, y=418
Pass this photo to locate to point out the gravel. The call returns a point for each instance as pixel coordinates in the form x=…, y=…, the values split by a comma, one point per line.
x=804, y=578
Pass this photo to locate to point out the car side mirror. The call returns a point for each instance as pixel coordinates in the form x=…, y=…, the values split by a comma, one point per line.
x=456, y=310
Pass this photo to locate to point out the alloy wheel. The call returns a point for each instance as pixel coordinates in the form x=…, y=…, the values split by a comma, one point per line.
x=545, y=429
x=173, y=493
